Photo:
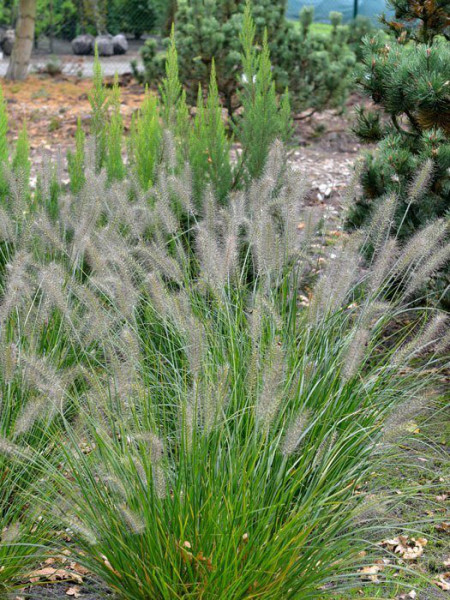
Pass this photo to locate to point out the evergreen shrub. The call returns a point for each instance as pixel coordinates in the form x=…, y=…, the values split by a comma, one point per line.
x=317, y=67
x=407, y=77
x=358, y=29
x=204, y=141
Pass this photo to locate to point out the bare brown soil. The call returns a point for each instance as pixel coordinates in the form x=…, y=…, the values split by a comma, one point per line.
x=50, y=107
x=324, y=146
x=327, y=150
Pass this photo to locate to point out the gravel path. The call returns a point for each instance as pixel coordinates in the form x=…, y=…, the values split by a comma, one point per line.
x=81, y=66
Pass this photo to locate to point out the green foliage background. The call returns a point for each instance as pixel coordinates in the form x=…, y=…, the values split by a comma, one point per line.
x=67, y=18
x=316, y=66
x=407, y=77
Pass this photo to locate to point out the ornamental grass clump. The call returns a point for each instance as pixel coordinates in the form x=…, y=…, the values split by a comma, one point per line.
x=22, y=532
x=192, y=422
x=27, y=436
x=214, y=432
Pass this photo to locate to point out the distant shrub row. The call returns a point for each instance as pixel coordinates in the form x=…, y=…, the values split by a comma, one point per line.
x=317, y=67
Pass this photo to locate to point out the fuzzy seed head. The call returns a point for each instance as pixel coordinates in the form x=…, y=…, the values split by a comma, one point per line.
x=295, y=432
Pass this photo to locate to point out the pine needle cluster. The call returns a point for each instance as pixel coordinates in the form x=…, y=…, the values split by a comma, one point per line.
x=407, y=79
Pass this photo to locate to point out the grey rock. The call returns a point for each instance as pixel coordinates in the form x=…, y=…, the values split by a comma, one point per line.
x=7, y=42
x=120, y=44
x=83, y=44
x=104, y=45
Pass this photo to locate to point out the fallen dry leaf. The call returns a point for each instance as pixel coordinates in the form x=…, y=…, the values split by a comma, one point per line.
x=79, y=568
x=370, y=573
x=412, y=594
x=445, y=527
x=74, y=591
x=408, y=549
x=52, y=574
x=444, y=582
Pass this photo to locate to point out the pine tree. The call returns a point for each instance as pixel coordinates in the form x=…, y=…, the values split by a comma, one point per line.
x=210, y=29
x=316, y=67
x=408, y=79
x=358, y=29
x=204, y=142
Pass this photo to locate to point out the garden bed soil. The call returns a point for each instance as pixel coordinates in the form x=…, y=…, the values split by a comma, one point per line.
x=324, y=148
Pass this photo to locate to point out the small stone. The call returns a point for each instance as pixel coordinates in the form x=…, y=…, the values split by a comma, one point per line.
x=104, y=45
x=120, y=44
x=7, y=42
x=83, y=45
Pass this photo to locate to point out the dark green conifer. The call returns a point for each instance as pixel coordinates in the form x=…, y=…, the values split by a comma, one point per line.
x=408, y=79
x=316, y=67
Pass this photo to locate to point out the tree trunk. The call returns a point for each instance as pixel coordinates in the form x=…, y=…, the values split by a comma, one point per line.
x=171, y=11
x=100, y=16
x=21, y=54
